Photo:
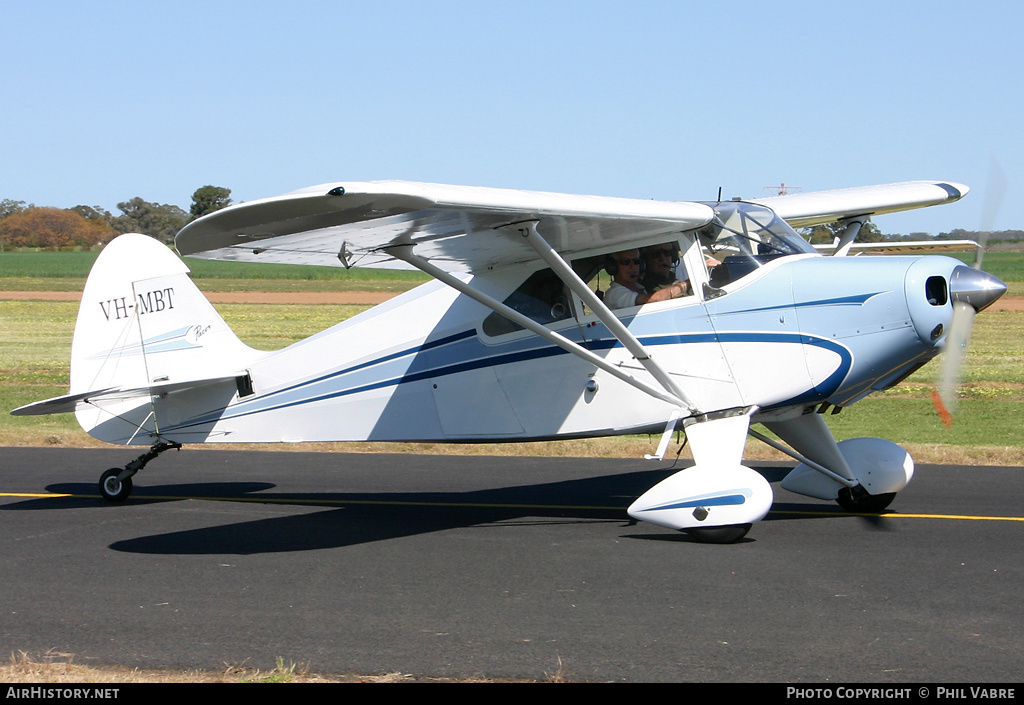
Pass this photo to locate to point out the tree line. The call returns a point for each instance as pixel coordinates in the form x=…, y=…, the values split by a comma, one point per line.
x=961, y=234
x=23, y=225
x=27, y=225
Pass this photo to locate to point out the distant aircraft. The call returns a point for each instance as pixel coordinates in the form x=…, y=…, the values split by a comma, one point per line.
x=513, y=340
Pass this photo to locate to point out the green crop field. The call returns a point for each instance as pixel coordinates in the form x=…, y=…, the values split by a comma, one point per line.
x=67, y=271
x=35, y=345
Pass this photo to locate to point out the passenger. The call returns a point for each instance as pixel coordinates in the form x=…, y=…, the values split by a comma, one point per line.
x=626, y=289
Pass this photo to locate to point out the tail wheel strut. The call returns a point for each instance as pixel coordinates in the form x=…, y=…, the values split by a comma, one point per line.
x=116, y=483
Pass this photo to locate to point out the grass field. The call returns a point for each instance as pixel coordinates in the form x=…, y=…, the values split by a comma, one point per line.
x=35, y=345
x=66, y=271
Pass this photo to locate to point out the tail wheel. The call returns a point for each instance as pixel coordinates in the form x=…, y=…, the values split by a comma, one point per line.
x=113, y=489
x=720, y=534
x=858, y=501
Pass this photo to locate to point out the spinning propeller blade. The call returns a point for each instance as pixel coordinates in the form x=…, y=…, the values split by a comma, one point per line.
x=971, y=290
x=944, y=398
x=993, y=201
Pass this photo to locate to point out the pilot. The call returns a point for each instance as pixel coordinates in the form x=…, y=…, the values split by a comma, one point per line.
x=662, y=262
x=626, y=289
x=660, y=271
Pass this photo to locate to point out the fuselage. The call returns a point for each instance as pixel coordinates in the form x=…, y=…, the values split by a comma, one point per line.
x=799, y=330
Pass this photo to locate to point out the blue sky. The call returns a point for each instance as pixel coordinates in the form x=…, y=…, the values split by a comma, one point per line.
x=105, y=101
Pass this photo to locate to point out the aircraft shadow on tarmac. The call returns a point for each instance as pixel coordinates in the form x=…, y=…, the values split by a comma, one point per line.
x=348, y=519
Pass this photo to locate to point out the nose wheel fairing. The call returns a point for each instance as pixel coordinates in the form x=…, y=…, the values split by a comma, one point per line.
x=854, y=468
x=879, y=466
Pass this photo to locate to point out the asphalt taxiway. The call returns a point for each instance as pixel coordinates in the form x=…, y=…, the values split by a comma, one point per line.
x=466, y=566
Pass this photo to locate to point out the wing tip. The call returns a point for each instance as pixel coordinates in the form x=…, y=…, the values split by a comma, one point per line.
x=955, y=191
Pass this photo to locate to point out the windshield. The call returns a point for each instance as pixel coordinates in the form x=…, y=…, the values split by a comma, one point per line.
x=748, y=229
x=744, y=237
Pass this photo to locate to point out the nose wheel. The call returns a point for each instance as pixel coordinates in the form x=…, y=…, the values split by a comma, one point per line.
x=856, y=500
x=116, y=483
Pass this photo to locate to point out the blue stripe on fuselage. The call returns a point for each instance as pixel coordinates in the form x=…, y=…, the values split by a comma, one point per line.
x=476, y=356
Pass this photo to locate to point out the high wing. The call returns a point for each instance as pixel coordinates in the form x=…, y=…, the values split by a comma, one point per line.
x=803, y=210
x=458, y=228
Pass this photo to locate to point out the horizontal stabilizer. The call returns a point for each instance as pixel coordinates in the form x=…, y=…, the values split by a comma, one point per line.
x=70, y=402
x=57, y=405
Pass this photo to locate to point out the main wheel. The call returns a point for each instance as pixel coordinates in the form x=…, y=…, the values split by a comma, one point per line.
x=720, y=534
x=113, y=489
x=863, y=503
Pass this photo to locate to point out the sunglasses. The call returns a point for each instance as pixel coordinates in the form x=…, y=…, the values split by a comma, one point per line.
x=626, y=262
x=662, y=253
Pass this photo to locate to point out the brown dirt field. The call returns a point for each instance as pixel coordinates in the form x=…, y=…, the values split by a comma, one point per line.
x=1013, y=304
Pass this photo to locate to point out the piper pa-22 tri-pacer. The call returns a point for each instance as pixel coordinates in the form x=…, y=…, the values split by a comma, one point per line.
x=515, y=338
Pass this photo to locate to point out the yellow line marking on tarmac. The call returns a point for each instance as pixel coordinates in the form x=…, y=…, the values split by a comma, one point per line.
x=489, y=505
x=895, y=515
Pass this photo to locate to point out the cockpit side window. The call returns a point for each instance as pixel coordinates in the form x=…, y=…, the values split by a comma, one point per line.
x=544, y=298
x=641, y=275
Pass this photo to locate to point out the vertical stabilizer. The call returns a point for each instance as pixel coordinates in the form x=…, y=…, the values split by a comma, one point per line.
x=143, y=323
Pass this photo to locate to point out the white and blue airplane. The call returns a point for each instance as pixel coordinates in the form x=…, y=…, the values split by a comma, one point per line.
x=513, y=340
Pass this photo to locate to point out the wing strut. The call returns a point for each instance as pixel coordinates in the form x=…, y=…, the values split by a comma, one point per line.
x=528, y=230
x=405, y=253
x=846, y=238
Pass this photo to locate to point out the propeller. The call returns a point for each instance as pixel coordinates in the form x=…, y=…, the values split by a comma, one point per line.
x=953, y=354
x=971, y=290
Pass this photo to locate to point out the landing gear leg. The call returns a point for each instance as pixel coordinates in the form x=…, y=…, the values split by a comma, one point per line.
x=116, y=483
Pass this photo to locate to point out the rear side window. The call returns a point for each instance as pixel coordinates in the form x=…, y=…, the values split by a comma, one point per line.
x=542, y=297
